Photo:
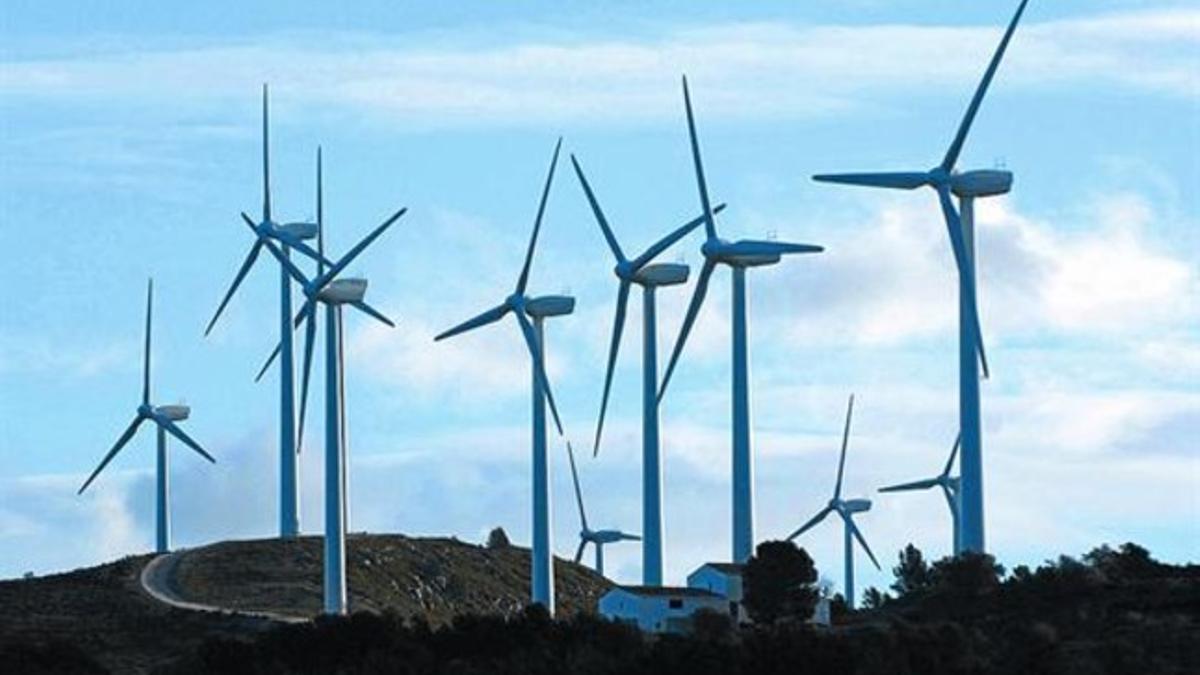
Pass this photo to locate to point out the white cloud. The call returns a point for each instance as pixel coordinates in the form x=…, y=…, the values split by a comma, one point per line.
x=34, y=354
x=787, y=70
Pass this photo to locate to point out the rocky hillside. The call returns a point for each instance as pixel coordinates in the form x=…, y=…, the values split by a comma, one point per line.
x=435, y=578
x=103, y=611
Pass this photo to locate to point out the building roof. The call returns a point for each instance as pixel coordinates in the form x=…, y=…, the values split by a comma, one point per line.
x=727, y=568
x=659, y=591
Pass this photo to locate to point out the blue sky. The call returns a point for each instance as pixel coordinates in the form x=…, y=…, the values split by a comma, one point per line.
x=129, y=139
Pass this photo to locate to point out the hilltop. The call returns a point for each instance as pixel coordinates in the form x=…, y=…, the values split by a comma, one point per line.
x=104, y=612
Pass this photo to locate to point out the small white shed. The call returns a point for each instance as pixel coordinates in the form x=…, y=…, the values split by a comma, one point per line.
x=725, y=580
x=658, y=609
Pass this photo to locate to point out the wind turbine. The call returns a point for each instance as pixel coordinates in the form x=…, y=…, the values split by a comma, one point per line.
x=164, y=417
x=846, y=508
x=308, y=310
x=950, y=490
x=539, y=308
x=289, y=235
x=960, y=225
x=738, y=256
x=598, y=538
x=328, y=289
x=649, y=276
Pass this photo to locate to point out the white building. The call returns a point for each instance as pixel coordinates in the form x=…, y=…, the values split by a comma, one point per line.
x=724, y=579
x=716, y=586
x=658, y=609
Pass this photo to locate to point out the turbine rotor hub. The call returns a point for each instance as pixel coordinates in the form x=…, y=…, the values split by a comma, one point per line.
x=712, y=247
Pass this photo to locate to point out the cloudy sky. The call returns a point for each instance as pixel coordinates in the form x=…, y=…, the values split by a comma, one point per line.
x=130, y=141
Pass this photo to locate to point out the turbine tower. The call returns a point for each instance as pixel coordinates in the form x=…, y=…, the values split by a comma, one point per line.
x=328, y=289
x=290, y=236
x=598, y=538
x=846, y=508
x=164, y=418
x=738, y=256
x=950, y=490
x=649, y=276
x=960, y=224
x=523, y=308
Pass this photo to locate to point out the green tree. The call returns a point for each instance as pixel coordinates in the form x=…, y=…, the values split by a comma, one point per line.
x=873, y=598
x=912, y=574
x=778, y=582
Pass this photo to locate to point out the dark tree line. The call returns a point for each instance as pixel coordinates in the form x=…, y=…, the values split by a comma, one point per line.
x=1111, y=611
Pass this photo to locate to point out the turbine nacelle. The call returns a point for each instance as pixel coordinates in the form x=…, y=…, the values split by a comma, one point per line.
x=981, y=183
x=609, y=536
x=175, y=412
x=733, y=254
x=662, y=274
x=343, y=291
x=856, y=505
x=549, y=305
x=296, y=231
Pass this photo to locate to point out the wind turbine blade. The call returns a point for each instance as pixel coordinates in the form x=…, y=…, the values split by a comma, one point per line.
x=175, y=431
x=750, y=247
x=531, y=341
x=370, y=311
x=965, y=126
x=949, y=495
x=688, y=320
x=837, y=490
x=310, y=338
x=629, y=537
x=579, y=551
x=490, y=316
x=307, y=250
x=966, y=266
x=899, y=180
x=267, y=364
x=537, y=222
x=361, y=246
x=121, y=441
x=953, y=454
x=608, y=233
x=915, y=485
x=861, y=540
x=146, y=353
x=321, y=262
x=237, y=281
x=279, y=345
x=266, y=158
x=618, y=327
x=666, y=242
x=811, y=523
x=578, y=492
x=710, y=227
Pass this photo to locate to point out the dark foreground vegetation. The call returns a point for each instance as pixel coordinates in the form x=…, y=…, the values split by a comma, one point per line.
x=1112, y=611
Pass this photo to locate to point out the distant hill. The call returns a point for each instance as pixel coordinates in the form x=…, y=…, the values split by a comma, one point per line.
x=104, y=612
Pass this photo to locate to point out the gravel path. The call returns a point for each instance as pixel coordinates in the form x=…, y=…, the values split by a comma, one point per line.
x=156, y=581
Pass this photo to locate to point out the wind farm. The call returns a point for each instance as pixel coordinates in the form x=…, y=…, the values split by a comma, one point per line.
x=480, y=539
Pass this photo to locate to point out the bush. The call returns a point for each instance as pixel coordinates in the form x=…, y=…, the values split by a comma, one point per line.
x=50, y=658
x=497, y=539
x=966, y=573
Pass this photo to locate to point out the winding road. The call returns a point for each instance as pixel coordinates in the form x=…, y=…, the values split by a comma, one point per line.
x=157, y=582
